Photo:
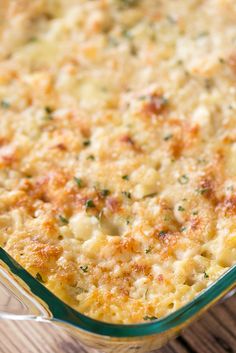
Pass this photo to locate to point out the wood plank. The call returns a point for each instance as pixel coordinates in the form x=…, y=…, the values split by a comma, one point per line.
x=215, y=332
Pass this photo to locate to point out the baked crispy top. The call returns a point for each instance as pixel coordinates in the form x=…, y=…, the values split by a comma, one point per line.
x=118, y=149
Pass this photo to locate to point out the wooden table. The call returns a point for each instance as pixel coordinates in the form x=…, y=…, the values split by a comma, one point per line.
x=215, y=332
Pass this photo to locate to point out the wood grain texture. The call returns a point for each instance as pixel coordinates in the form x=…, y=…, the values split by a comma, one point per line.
x=215, y=332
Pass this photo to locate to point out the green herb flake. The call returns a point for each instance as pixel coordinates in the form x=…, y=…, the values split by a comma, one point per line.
x=63, y=219
x=202, y=161
x=87, y=143
x=148, y=250
x=79, y=182
x=163, y=101
x=206, y=275
x=167, y=137
x=125, y=177
x=162, y=233
x=195, y=213
x=91, y=157
x=5, y=104
x=89, y=204
x=131, y=2
x=182, y=229
x=127, y=194
x=48, y=111
x=84, y=268
x=105, y=192
x=150, y=318
x=181, y=208
x=128, y=3
x=153, y=194
x=39, y=277
x=81, y=290
x=183, y=179
x=202, y=191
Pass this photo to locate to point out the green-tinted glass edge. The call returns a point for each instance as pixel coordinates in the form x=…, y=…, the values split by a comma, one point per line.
x=63, y=313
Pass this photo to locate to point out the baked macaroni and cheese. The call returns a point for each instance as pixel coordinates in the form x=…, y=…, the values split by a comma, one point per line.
x=118, y=149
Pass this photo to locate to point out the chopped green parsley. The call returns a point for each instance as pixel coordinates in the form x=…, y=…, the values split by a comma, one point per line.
x=79, y=182
x=39, y=277
x=84, y=268
x=150, y=318
x=63, y=219
x=148, y=250
x=162, y=233
x=168, y=137
x=183, y=179
x=86, y=143
x=5, y=104
x=127, y=194
x=105, y=192
x=91, y=157
x=89, y=204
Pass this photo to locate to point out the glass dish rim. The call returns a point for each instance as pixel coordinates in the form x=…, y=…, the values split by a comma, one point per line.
x=63, y=313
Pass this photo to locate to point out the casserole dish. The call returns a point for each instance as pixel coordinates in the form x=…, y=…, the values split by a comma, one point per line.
x=117, y=183
x=24, y=298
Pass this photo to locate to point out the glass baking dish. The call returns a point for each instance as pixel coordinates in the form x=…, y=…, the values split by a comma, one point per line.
x=22, y=297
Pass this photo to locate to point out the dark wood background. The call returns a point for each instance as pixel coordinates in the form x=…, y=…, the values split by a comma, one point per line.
x=215, y=332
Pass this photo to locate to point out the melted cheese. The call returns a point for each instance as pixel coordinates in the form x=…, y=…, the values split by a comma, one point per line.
x=118, y=149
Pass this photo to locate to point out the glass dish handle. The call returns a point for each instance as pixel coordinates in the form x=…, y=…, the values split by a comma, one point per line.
x=16, y=300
